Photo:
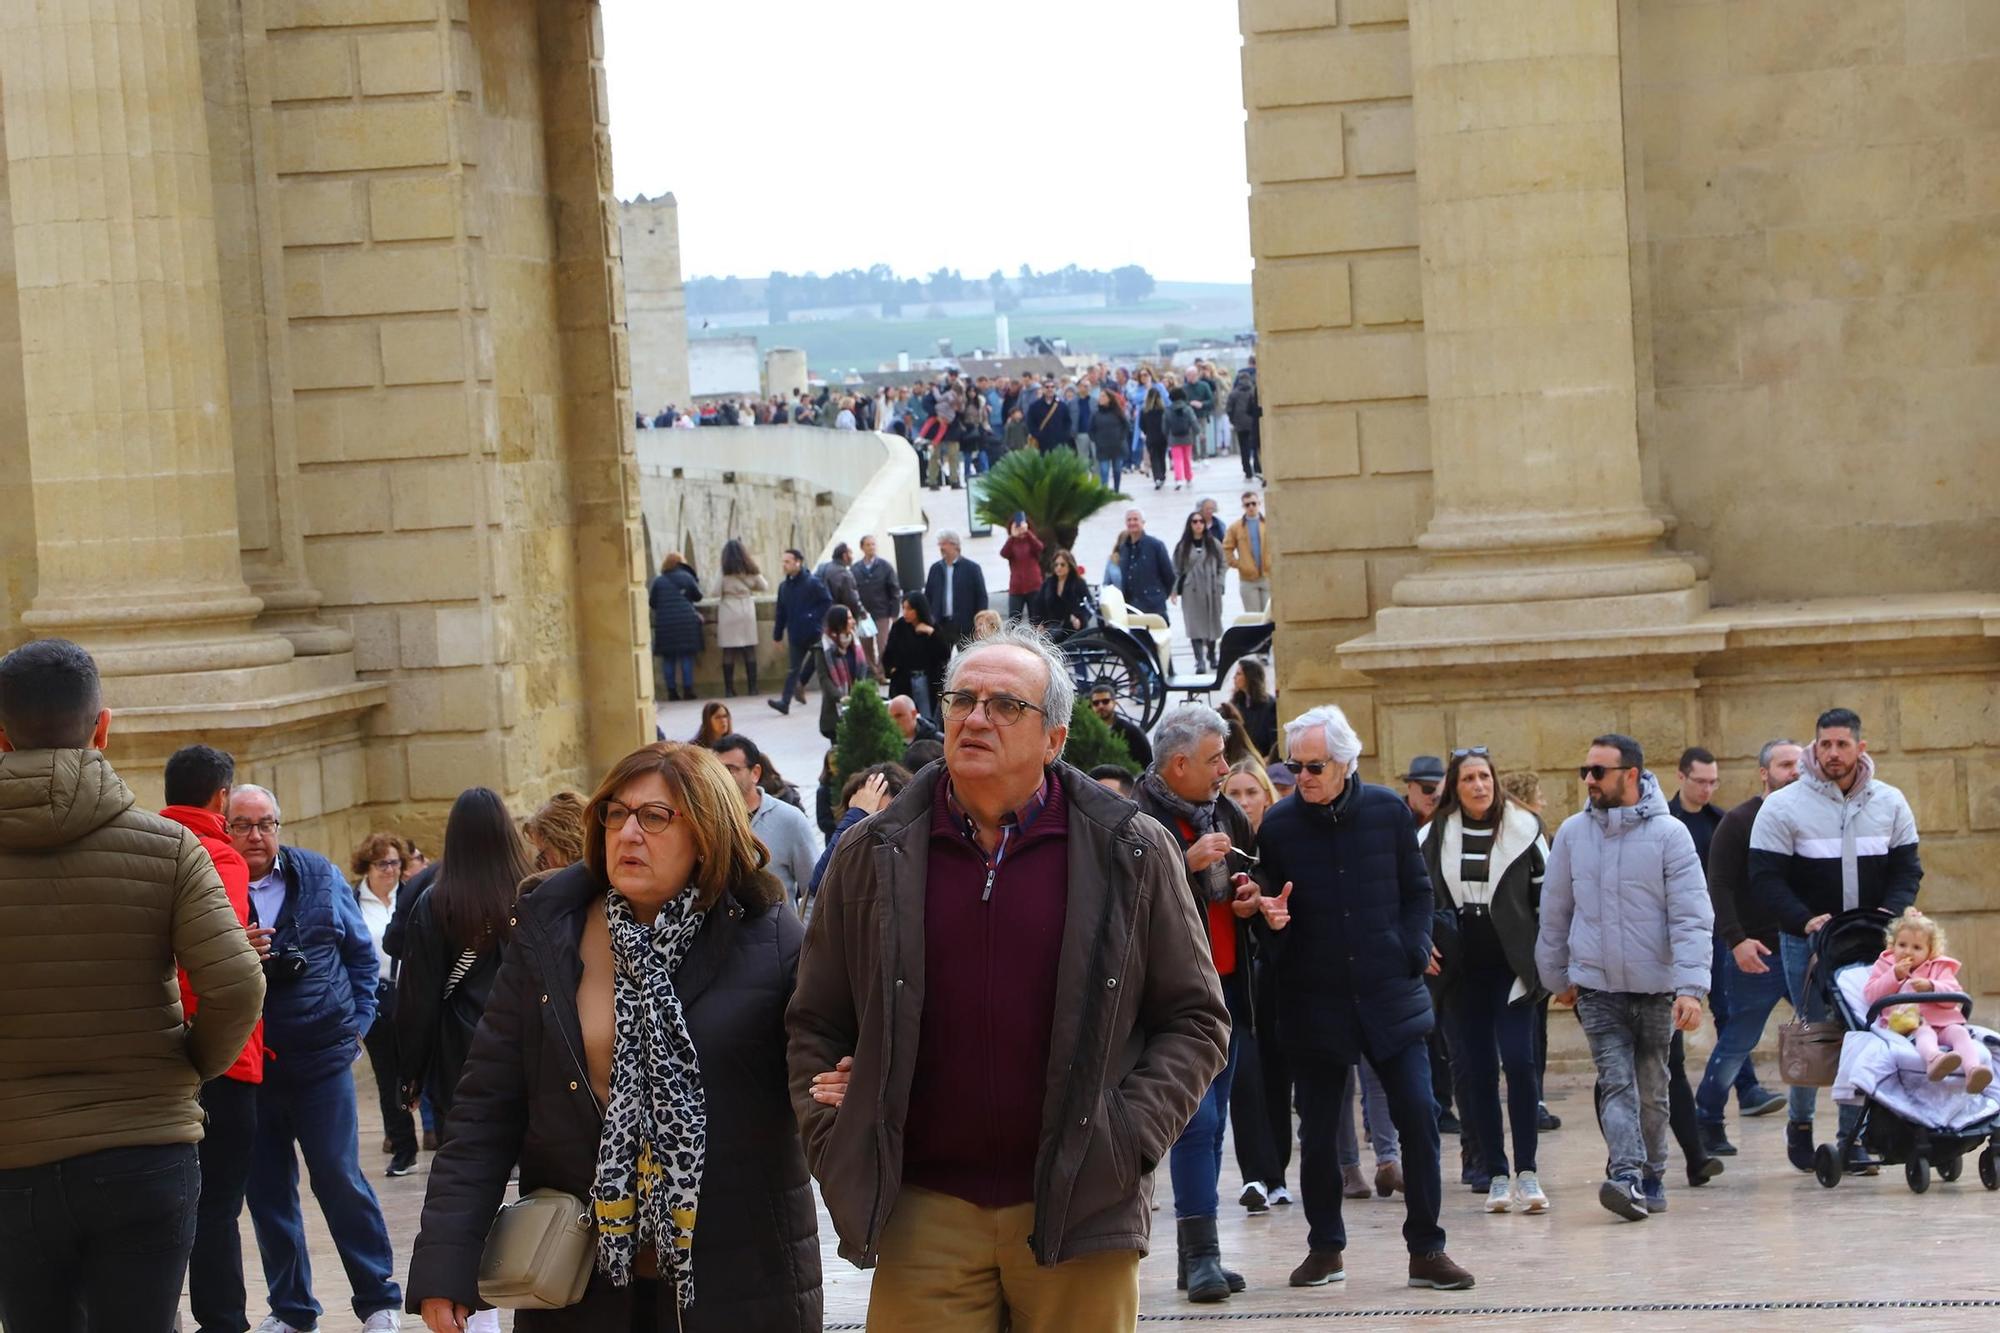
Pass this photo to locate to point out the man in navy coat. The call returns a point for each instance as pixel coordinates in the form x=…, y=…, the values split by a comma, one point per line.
x=956, y=589
x=1349, y=974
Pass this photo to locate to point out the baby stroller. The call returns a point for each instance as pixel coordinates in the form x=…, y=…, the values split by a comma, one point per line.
x=1906, y=1119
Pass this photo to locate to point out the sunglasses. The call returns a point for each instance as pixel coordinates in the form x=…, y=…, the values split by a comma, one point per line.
x=1316, y=767
x=1477, y=750
x=1596, y=772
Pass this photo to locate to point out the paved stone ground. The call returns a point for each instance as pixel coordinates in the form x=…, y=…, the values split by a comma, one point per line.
x=1761, y=1233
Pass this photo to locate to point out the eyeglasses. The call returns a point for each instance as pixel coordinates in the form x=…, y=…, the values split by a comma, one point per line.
x=1315, y=767
x=1596, y=772
x=243, y=828
x=385, y=865
x=1002, y=710
x=652, y=818
x=1477, y=751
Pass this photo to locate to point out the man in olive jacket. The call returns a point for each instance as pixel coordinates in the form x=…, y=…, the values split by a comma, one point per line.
x=99, y=1075
x=1006, y=1014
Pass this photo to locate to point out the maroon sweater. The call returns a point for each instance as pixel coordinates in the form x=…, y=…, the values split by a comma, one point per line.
x=975, y=1122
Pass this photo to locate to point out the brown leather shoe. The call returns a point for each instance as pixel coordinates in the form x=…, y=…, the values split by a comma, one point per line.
x=1324, y=1266
x=1353, y=1184
x=1388, y=1179
x=1438, y=1271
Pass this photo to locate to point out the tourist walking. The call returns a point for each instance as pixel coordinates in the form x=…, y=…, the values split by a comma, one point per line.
x=1350, y=984
x=836, y=663
x=1153, y=432
x=453, y=949
x=676, y=624
x=1146, y=567
x=977, y=1189
x=635, y=1037
x=321, y=1000
x=1182, y=429
x=803, y=602
x=377, y=867
x=956, y=588
x=99, y=1112
x=1754, y=973
x=1062, y=606
x=1486, y=858
x=915, y=655
x=881, y=598
x=1248, y=547
x=784, y=829
x=1246, y=422
x=1836, y=840
x=1110, y=437
x=1250, y=691
x=1625, y=933
x=736, y=616
x=1200, y=570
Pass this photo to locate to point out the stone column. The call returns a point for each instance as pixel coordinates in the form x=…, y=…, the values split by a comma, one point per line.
x=125, y=380
x=1528, y=329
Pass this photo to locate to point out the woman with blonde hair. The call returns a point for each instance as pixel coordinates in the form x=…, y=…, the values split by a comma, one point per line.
x=556, y=831
x=633, y=1055
x=1250, y=787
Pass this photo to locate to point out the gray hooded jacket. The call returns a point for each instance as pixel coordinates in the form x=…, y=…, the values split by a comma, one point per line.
x=1624, y=905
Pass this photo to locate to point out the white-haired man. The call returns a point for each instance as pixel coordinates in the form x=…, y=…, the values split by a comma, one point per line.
x=1006, y=972
x=1349, y=970
x=1183, y=791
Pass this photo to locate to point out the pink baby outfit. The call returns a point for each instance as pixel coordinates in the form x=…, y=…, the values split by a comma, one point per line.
x=1943, y=1027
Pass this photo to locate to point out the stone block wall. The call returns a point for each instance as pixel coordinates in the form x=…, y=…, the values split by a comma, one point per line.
x=1333, y=222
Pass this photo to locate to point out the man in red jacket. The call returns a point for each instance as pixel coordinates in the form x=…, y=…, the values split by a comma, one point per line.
x=198, y=781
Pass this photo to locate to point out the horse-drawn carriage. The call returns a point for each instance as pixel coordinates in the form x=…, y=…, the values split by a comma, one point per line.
x=1119, y=652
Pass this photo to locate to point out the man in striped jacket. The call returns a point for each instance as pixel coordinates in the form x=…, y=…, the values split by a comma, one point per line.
x=1833, y=841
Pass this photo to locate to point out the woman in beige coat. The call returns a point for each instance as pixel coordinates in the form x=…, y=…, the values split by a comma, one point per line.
x=736, y=616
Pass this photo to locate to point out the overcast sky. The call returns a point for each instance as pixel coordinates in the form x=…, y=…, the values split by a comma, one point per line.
x=1113, y=128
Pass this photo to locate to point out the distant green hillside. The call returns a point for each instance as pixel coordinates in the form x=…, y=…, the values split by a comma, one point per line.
x=1177, y=310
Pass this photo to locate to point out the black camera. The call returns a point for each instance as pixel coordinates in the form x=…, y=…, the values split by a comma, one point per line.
x=285, y=964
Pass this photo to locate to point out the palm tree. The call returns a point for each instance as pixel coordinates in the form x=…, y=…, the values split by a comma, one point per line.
x=1056, y=490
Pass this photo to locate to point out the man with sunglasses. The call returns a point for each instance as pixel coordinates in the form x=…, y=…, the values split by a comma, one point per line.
x=1349, y=967
x=1248, y=546
x=1008, y=976
x=1626, y=931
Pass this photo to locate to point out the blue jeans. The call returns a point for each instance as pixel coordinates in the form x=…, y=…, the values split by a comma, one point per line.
x=1720, y=1004
x=1111, y=471
x=319, y=1120
x=1739, y=1023
x=1629, y=1035
x=99, y=1240
x=797, y=650
x=1796, y=951
x=1376, y=1121
x=1489, y=1034
x=1195, y=1161
x=1406, y=1078
x=672, y=666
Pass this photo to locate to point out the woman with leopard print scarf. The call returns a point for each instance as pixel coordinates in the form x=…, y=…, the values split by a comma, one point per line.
x=633, y=1055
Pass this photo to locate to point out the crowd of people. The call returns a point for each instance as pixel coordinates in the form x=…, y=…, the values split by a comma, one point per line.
x=1116, y=418
x=656, y=1001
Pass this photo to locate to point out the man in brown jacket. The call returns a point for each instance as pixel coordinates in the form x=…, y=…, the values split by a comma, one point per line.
x=99, y=1076
x=1007, y=979
x=1248, y=546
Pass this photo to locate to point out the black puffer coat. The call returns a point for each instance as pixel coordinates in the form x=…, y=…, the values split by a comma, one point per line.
x=1349, y=968
x=676, y=622
x=525, y=1096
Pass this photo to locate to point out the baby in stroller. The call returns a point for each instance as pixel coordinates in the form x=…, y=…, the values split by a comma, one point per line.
x=1915, y=961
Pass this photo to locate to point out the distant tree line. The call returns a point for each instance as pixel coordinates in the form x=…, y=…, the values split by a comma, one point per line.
x=783, y=292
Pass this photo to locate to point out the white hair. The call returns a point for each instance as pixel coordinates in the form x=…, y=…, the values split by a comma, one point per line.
x=1184, y=727
x=1342, y=741
x=951, y=537
x=1058, y=699
x=265, y=792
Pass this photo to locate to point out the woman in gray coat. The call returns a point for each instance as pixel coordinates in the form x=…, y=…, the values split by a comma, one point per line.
x=1199, y=570
x=736, y=617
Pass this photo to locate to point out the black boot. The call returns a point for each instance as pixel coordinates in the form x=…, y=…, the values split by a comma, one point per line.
x=1234, y=1278
x=750, y=669
x=729, y=680
x=1201, y=1254
x=1715, y=1141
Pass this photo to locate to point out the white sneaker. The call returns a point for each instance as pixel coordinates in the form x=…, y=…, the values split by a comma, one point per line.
x=385, y=1321
x=1500, y=1195
x=273, y=1324
x=1279, y=1194
x=1253, y=1196
x=483, y=1321
x=1528, y=1194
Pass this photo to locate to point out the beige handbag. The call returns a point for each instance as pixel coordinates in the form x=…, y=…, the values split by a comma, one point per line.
x=539, y=1254
x=1809, y=1053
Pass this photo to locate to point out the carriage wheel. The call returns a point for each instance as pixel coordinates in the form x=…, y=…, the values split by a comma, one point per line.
x=1989, y=1170
x=1097, y=660
x=1826, y=1165
x=1917, y=1171
x=1950, y=1168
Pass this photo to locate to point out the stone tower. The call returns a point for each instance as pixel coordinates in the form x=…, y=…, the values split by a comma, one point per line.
x=314, y=418
x=655, y=303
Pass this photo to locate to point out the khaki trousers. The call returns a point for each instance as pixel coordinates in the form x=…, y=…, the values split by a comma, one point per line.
x=948, y=1266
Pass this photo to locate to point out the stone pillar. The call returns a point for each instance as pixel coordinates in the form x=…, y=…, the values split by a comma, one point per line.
x=126, y=388
x=1528, y=330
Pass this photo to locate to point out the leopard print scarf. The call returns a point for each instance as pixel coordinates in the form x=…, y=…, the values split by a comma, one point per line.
x=649, y=1160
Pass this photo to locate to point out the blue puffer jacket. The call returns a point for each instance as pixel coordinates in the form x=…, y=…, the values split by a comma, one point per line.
x=1350, y=966
x=803, y=602
x=313, y=1026
x=1625, y=907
